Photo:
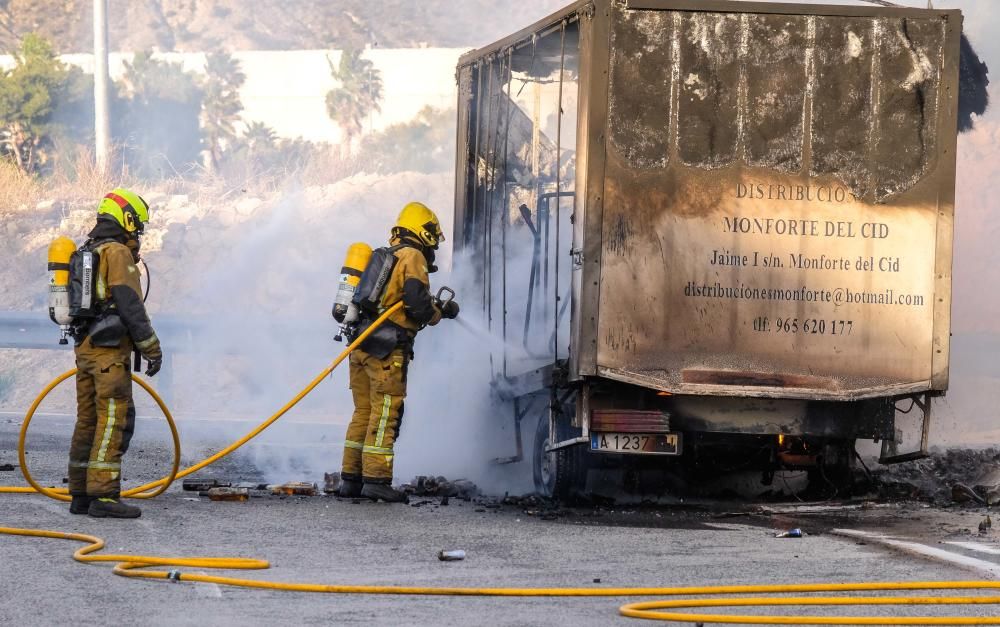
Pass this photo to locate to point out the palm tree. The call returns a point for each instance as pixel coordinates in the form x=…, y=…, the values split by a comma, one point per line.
x=359, y=94
x=221, y=105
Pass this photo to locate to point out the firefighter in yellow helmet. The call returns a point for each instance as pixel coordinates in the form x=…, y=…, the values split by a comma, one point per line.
x=115, y=324
x=378, y=368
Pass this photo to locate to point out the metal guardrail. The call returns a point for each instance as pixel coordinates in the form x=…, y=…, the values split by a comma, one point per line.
x=179, y=334
x=34, y=330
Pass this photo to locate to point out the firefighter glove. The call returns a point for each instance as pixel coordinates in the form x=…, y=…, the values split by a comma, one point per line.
x=153, y=366
x=449, y=310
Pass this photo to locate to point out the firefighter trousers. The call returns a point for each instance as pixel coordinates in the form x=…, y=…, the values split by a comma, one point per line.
x=105, y=419
x=378, y=387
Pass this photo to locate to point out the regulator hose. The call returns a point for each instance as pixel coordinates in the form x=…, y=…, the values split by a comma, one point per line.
x=158, y=486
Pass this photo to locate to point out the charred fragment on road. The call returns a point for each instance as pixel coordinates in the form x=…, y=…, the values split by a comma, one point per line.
x=961, y=476
x=441, y=486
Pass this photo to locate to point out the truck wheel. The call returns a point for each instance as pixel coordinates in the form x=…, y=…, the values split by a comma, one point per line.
x=557, y=474
x=544, y=464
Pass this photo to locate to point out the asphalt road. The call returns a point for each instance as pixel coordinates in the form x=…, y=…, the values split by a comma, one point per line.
x=327, y=540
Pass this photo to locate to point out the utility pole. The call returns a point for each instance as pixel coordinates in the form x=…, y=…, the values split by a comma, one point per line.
x=102, y=124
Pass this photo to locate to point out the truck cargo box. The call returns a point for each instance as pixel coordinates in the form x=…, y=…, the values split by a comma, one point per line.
x=755, y=199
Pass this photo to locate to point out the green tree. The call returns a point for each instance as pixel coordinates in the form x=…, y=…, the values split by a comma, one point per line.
x=424, y=144
x=258, y=152
x=359, y=94
x=28, y=94
x=158, y=119
x=221, y=105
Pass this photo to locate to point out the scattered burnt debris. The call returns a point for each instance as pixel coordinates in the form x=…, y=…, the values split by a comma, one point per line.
x=229, y=494
x=442, y=487
x=331, y=482
x=202, y=485
x=294, y=488
x=952, y=476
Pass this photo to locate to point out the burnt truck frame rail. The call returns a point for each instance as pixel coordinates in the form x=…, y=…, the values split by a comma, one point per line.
x=720, y=231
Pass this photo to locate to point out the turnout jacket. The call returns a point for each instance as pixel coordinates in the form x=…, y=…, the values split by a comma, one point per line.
x=119, y=289
x=411, y=283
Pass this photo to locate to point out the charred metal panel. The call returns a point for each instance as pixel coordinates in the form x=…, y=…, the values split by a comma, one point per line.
x=777, y=49
x=862, y=419
x=906, y=129
x=790, y=249
x=709, y=49
x=842, y=105
x=639, y=118
x=463, y=156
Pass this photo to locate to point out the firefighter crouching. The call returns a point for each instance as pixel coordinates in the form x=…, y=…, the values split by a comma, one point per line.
x=109, y=322
x=378, y=367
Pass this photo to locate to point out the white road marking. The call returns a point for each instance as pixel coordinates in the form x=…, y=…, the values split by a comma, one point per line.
x=976, y=546
x=914, y=548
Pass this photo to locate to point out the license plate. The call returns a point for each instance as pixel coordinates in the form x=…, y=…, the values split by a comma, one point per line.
x=636, y=443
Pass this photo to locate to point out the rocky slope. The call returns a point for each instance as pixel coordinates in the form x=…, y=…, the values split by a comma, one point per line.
x=198, y=25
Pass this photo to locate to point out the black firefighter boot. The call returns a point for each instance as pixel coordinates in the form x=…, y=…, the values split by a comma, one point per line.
x=350, y=487
x=106, y=507
x=384, y=492
x=80, y=504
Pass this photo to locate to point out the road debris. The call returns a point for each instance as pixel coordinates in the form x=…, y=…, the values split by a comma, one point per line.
x=7, y=466
x=451, y=556
x=202, y=485
x=962, y=476
x=961, y=493
x=985, y=525
x=331, y=482
x=791, y=533
x=229, y=494
x=441, y=486
x=294, y=488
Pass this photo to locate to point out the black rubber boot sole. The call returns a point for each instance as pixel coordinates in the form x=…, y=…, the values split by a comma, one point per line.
x=113, y=510
x=381, y=492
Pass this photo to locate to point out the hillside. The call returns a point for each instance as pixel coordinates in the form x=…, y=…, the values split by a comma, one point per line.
x=198, y=25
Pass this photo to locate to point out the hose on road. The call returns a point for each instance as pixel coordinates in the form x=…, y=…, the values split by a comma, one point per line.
x=138, y=566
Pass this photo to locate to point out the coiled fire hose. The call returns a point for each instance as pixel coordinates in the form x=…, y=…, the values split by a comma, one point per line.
x=143, y=491
x=138, y=566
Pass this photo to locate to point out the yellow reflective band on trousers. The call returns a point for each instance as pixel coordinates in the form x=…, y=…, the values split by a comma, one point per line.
x=378, y=388
x=386, y=403
x=354, y=445
x=96, y=465
x=109, y=428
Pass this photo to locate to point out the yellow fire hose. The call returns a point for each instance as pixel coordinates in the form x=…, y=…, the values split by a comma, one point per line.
x=142, y=492
x=136, y=565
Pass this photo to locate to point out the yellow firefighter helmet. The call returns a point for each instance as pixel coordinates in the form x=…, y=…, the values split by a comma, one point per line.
x=422, y=222
x=128, y=209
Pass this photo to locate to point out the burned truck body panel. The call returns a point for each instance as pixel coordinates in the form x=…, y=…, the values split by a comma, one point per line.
x=738, y=214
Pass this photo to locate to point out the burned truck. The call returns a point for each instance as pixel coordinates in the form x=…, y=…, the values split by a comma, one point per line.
x=712, y=235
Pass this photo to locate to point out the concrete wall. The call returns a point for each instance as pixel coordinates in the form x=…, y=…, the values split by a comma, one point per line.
x=287, y=89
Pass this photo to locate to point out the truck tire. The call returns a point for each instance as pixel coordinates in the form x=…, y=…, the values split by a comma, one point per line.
x=558, y=474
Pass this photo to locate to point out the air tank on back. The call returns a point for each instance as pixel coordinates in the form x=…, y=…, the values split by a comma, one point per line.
x=60, y=251
x=358, y=255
